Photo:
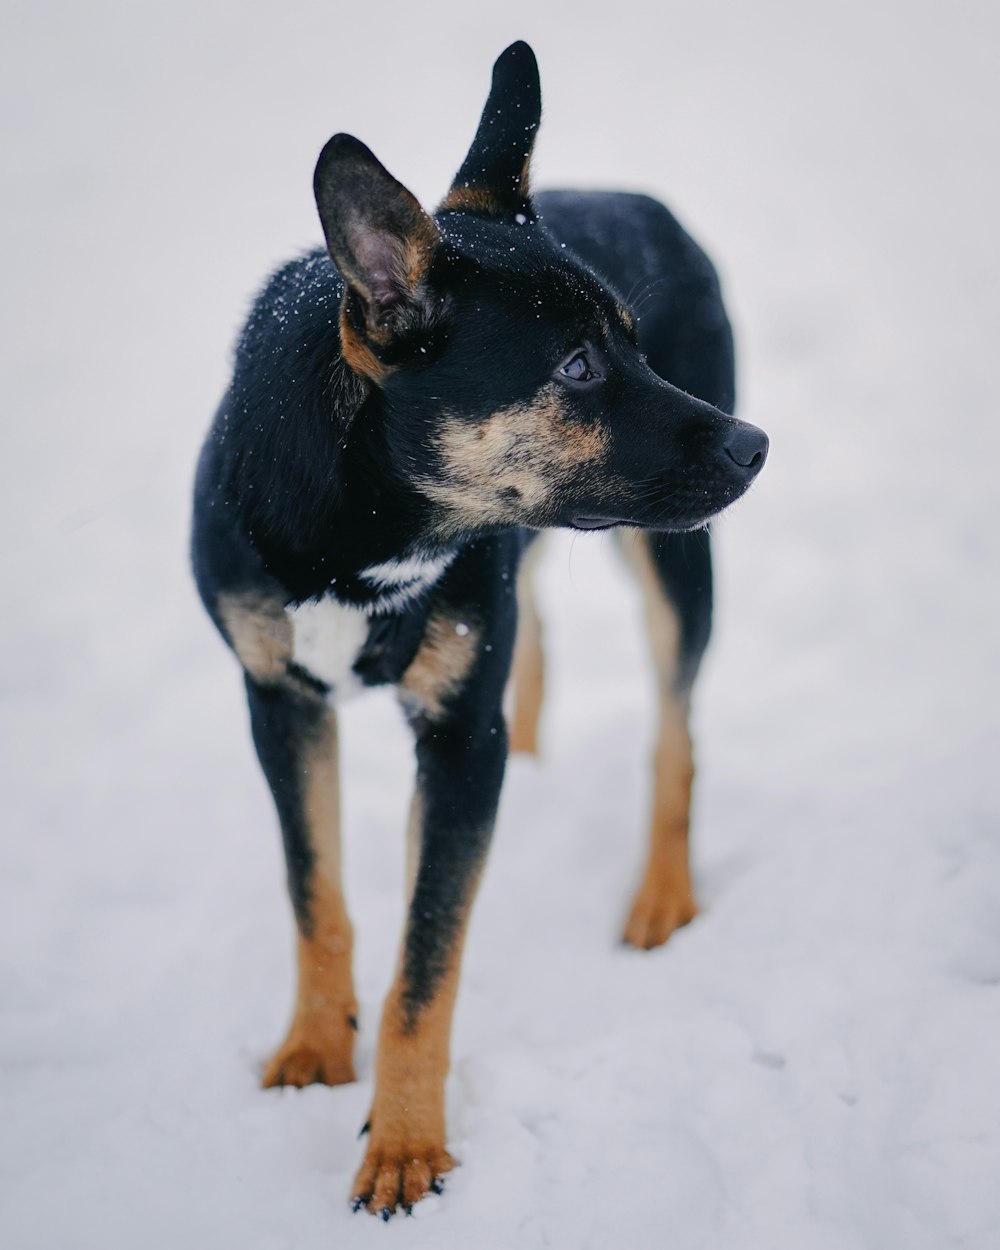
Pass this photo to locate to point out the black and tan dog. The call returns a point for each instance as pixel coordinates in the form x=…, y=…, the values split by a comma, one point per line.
x=407, y=408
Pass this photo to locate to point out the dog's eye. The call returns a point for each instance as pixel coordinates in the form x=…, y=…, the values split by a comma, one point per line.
x=578, y=369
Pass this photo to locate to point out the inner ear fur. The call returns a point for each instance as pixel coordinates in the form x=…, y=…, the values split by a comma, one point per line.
x=494, y=177
x=378, y=236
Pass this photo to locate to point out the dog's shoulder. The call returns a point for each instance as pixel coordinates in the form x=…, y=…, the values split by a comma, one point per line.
x=269, y=471
x=288, y=372
x=296, y=304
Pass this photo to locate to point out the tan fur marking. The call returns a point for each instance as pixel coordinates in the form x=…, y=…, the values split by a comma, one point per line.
x=260, y=632
x=406, y=1147
x=320, y=1042
x=665, y=899
x=411, y=258
x=662, y=624
x=442, y=663
x=504, y=469
x=528, y=669
x=628, y=321
x=418, y=253
x=471, y=200
x=358, y=355
x=414, y=822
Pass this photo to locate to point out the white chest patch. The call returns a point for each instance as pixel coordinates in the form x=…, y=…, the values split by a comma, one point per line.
x=326, y=639
x=399, y=581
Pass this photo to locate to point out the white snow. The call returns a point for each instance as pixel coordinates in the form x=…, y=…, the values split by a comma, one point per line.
x=812, y=1064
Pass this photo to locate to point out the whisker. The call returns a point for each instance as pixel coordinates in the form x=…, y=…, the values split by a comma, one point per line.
x=642, y=290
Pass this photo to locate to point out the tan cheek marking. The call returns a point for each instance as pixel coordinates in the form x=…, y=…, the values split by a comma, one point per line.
x=260, y=632
x=442, y=663
x=504, y=468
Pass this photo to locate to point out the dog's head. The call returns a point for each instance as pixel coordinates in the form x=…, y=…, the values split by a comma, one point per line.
x=508, y=377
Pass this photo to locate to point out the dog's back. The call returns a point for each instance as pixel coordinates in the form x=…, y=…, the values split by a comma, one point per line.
x=642, y=251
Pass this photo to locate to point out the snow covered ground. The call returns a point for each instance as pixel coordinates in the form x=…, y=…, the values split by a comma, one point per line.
x=812, y=1064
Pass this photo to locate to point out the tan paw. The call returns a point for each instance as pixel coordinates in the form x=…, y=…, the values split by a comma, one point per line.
x=394, y=1176
x=300, y=1063
x=656, y=913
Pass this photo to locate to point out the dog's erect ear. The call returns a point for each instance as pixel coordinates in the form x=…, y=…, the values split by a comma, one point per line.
x=378, y=236
x=493, y=179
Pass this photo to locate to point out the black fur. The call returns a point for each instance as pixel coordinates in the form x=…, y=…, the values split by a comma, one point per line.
x=460, y=764
x=283, y=721
x=640, y=248
x=497, y=159
x=426, y=394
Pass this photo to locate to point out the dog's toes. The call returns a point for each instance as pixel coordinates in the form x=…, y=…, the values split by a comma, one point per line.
x=655, y=916
x=301, y=1063
x=390, y=1180
x=385, y=1189
x=417, y=1180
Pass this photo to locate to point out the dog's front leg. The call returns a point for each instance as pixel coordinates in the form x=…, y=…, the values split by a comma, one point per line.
x=295, y=733
x=452, y=693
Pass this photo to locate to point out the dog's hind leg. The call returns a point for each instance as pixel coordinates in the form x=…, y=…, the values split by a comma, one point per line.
x=528, y=670
x=674, y=572
x=295, y=733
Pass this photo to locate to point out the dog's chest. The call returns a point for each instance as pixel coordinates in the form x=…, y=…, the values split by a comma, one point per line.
x=347, y=648
x=327, y=638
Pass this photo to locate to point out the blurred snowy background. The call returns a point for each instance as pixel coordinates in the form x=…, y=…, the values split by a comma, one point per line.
x=811, y=1065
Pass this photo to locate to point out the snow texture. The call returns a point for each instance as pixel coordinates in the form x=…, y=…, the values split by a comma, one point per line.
x=812, y=1064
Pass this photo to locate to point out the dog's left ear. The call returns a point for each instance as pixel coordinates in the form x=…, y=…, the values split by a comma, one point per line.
x=493, y=179
x=378, y=236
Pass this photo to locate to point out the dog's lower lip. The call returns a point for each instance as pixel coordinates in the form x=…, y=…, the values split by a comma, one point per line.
x=594, y=522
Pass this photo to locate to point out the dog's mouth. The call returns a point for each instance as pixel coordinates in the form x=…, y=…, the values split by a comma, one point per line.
x=596, y=522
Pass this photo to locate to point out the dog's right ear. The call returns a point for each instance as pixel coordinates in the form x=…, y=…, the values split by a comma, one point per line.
x=378, y=236
x=493, y=180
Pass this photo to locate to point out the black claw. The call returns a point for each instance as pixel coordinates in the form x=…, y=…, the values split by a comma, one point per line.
x=353, y=1022
x=408, y=1208
x=365, y=1128
x=386, y=1214
x=357, y=1204
x=437, y=1185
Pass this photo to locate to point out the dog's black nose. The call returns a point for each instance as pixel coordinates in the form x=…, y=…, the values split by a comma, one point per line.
x=747, y=446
